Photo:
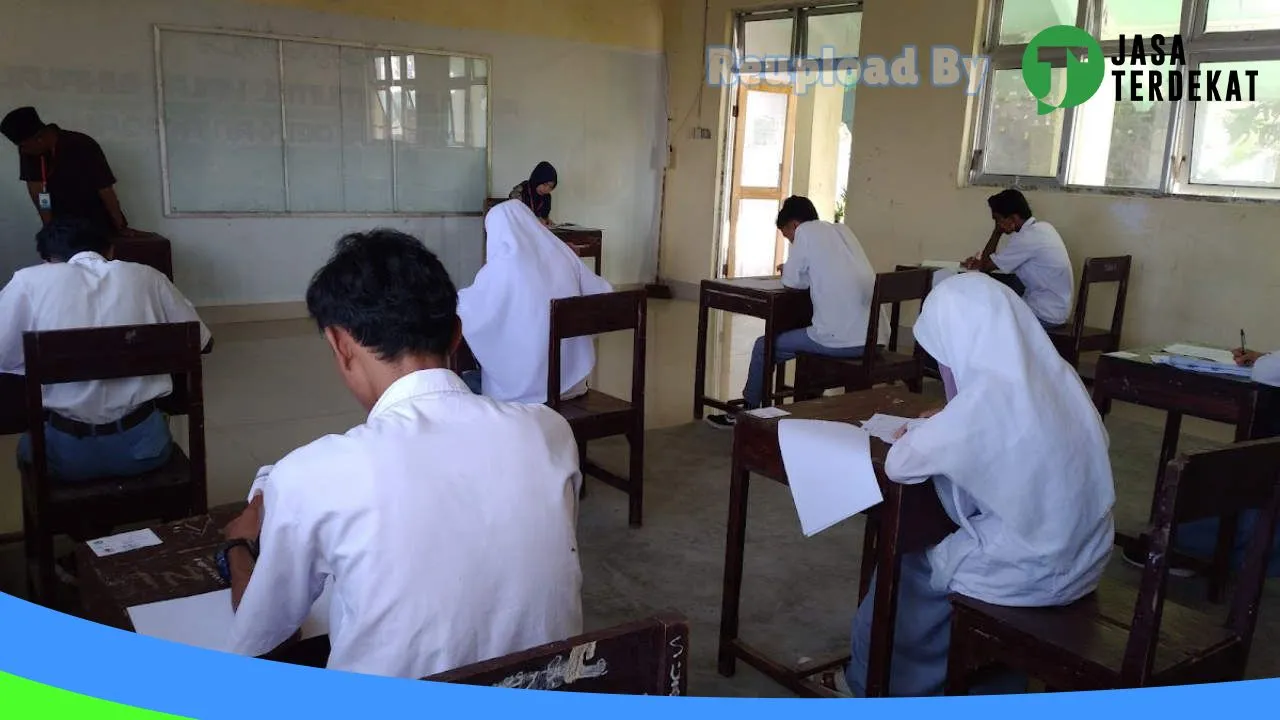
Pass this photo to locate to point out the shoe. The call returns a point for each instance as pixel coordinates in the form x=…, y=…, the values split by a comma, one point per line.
x=721, y=422
x=1138, y=559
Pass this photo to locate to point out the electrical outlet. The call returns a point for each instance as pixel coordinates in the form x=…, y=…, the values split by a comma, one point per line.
x=704, y=133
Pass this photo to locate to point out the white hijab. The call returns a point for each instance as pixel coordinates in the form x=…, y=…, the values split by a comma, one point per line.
x=1021, y=437
x=506, y=313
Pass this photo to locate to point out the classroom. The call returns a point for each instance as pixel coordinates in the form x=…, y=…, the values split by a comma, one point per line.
x=683, y=226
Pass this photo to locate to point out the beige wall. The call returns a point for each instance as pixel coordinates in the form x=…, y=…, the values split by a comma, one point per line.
x=1202, y=269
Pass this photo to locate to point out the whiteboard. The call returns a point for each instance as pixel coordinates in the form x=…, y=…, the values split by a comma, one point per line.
x=264, y=124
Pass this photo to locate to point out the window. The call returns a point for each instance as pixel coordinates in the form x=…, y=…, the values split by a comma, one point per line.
x=1149, y=141
x=260, y=124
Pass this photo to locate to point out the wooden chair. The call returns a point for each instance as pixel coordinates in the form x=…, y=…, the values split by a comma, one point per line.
x=1076, y=338
x=816, y=374
x=650, y=657
x=596, y=415
x=173, y=492
x=1108, y=640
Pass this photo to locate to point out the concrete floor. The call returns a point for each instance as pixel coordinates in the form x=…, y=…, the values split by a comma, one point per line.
x=271, y=387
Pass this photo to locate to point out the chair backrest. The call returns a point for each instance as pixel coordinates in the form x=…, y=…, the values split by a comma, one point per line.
x=108, y=353
x=587, y=315
x=490, y=203
x=1214, y=484
x=1097, y=271
x=893, y=289
x=643, y=658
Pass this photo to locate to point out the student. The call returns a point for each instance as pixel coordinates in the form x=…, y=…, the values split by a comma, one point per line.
x=103, y=428
x=506, y=313
x=1199, y=539
x=1034, y=253
x=827, y=260
x=1019, y=460
x=536, y=191
x=66, y=172
x=440, y=551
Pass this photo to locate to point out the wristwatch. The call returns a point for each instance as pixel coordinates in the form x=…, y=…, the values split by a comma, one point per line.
x=220, y=557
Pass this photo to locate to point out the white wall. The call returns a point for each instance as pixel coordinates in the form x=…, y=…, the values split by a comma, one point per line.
x=596, y=112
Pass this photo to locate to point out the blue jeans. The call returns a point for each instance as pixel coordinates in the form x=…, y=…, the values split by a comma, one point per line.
x=921, y=640
x=785, y=347
x=140, y=449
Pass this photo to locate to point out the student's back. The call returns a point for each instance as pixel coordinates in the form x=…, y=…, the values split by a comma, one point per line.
x=451, y=521
x=827, y=259
x=506, y=313
x=90, y=291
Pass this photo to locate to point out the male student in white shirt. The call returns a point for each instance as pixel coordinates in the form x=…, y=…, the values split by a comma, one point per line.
x=1034, y=253
x=827, y=260
x=445, y=524
x=105, y=428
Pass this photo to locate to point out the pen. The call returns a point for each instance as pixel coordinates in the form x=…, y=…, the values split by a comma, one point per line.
x=1243, y=345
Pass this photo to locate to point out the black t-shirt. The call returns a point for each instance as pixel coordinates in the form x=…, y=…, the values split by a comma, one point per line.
x=75, y=171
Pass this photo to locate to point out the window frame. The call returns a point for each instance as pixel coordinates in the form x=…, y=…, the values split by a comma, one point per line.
x=1175, y=179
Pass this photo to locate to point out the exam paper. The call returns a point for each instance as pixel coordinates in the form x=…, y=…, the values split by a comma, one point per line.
x=1123, y=355
x=829, y=470
x=886, y=426
x=204, y=621
x=1204, y=353
x=124, y=542
x=767, y=413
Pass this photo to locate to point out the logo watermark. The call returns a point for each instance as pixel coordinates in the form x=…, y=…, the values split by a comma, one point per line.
x=1086, y=69
x=944, y=66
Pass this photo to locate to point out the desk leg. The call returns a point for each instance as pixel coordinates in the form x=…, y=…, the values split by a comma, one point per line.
x=885, y=603
x=599, y=256
x=895, y=318
x=766, y=396
x=1168, y=448
x=700, y=366
x=735, y=544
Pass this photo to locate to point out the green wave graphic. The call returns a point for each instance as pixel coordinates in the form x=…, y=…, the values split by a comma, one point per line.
x=22, y=699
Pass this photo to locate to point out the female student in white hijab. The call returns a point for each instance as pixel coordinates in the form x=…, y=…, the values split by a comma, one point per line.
x=1019, y=460
x=506, y=313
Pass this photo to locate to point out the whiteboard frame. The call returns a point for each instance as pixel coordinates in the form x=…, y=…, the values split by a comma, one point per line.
x=158, y=30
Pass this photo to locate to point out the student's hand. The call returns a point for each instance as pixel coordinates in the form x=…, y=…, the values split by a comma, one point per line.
x=897, y=434
x=546, y=222
x=1246, y=357
x=930, y=413
x=972, y=263
x=780, y=267
x=248, y=524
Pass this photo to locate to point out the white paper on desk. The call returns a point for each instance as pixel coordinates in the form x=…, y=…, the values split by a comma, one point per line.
x=1224, y=357
x=260, y=481
x=204, y=621
x=829, y=469
x=767, y=413
x=886, y=426
x=124, y=542
x=1123, y=355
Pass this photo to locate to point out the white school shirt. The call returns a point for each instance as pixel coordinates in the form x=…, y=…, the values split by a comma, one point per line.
x=1018, y=456
x=1267, y=369
x=1038, y=257
x=89, y=291
x=446, y=524
x=827, y=260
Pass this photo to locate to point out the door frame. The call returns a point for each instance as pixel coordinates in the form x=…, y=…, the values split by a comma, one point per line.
x=737, y=191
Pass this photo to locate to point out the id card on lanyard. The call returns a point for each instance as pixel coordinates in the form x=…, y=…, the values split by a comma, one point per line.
x=44, y=199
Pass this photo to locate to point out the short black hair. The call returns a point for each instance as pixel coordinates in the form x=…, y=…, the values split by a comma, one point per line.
x=390, y=292
x=62, y=238
x=1009, y=203
x=796, y=208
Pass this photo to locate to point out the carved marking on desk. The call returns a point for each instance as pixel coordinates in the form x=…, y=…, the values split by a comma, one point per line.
x=677, y=665
x=559, y=672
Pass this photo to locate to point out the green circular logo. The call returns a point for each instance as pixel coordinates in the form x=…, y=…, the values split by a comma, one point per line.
x=1083, y=77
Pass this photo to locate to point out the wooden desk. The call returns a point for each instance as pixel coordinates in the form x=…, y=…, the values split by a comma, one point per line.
x=146, y=249
x=585, y=243
x=911, y=519
x=1220, y=398
x=782, y=309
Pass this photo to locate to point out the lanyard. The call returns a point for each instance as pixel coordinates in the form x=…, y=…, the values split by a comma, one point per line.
x=45, y=172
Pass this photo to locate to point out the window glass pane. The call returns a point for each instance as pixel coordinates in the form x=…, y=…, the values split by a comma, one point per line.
x=1119, y=144
x=768, y=38
x=1241, y=15
x=410, y=68
x=1238, y=143
x=1141, y=17
x=842, y=33
x=457, y=67
x=1022, y=20
x=756, y=239
x=764, y=127
x=395, y=67
x=1019, y=141
x=480, y=68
